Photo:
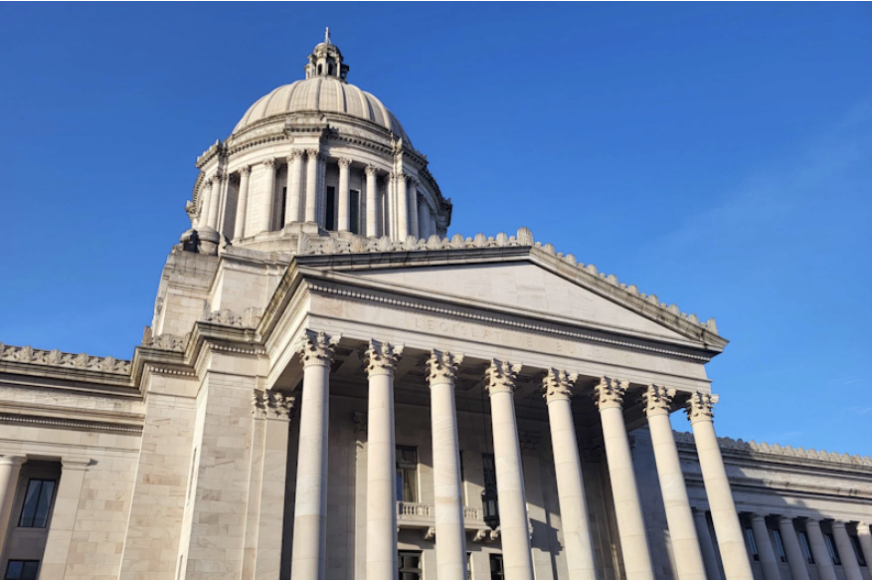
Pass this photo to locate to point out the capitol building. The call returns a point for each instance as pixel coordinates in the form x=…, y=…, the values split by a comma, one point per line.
x=332, y=387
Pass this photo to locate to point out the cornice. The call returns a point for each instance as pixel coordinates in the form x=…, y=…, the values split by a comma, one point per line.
x=77, y=424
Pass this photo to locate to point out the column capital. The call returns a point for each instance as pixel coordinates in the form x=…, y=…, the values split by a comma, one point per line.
x=12, y=459
x=245, y=170
x=270, y=162
x=838, y=523
x=313, y=153
x=217, y=178
x=295, y=154
x=413, y=181
x=442, y=366
x=207, y=183
x=382, y=357
x=501, y=376
x=371, y=170
x=317, y=348
x=557, y=385
x=344, y=162
x=658, y=400
x=610, y=393
x=399, y=176
x=271, y=405
x=757, y=516
x=700, y=406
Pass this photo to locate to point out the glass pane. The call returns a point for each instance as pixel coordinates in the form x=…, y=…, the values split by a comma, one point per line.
x=400, y=485
x=408, y=576
x=411, y=485
x=41, y=518
x=31, y=499
x=29, y=570
x=13, y=570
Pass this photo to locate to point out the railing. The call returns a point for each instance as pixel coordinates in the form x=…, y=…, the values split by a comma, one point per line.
x=407, y=509
x=425, y=513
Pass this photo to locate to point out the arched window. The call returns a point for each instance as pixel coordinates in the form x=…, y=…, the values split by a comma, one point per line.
x=330, y=69
x=319, y=69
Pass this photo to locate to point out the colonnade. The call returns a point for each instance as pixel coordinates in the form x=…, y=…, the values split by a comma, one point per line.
x=389, y=204
x=309, y=549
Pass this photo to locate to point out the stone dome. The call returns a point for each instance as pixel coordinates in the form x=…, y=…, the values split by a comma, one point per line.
x=322, y=94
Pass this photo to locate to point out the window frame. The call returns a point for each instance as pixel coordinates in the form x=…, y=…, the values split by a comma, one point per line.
x=48, y=510
x=752, y=543
x=805, y=545
x=830, y=542
x=419, y=571
x=403, y=470
x=499, y=574
x=21, y=576
x=779, y=545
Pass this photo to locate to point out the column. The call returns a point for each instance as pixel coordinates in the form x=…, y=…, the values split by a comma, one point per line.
x=10, y=467
x=205, y=201
x=214, y=201
x=574, y=516
x=371, y=202
x=402, y=208
x=795, y=558
x=865, y=537
x=515, y=535
x=448, y=496
x=731, y=542
x=764, y=548
x=628, y=509
x=709, y=556
x=343, y=223
x=242, y=202
x=312, y=185
x=63, y=518
x=846, y=552
x=423, y=230
x=262, y=558
x=381, y=475
x=819, y=551
x=295, y=187
x=413, y=207
x=308, y=559
x=266, y=224
x=321, y=195
x=679, y=517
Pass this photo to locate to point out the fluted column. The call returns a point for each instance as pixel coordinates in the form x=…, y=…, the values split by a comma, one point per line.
x=205, y=201
x=795, y=558
x=819, y=551
x=517, y=558
x=865, y=537
x=294, y=193
x=343, y=223
x=266, y=223
x=709, y=556
x=10, y=467
x=765, y=552
x=381, y=474
x=628, y=509
x=679, y=517
x=402, y=207
x=413, y=207
x=215, y=200
x=312, y=185
x=242, y=202
x=371, y=202
x=310, y=507
x=731, y=542
x=448, y=496
x=567, y=466
x=846, y=551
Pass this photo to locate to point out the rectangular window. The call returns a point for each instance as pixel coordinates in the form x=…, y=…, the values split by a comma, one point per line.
x=407, y=474
x=489, y=500
x=858, y=550
x=409, y=565
x=282, y=213
x=779, y=545
x=496, y=566
x=469, y=566
x=330, y=221
x=462, y=481
x=37, y=503
x=806, y=547
x=22, y=570
x=752, y=543
x=831, y=548
x=354, y=211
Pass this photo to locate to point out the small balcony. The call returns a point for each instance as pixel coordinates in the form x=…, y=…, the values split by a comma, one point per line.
x=422, y=516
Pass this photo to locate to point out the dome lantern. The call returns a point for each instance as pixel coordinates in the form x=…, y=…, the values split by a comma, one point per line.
x=326, y=61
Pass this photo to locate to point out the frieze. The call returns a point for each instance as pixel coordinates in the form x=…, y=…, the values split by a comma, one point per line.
x=56, y=358
x=249, y=318
x=271, y=405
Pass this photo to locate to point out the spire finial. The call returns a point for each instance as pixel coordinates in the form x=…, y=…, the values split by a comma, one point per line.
x=327, y=36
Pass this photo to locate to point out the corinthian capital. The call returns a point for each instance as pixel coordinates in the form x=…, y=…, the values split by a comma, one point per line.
x=700, y=406
x=610, y=393
x=270, y=163
x=317, y=348
x=245, y=170
x=371, y=169
x=344, y=162
x=382, y=357
x=558, y=385
x=442, y=366
x=658, y=399
x=271, y=405
x=313, y=153
x=217, y=178
x=294, y=154
x=501, y=376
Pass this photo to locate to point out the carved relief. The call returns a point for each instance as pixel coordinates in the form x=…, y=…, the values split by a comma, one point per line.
x=317, y=348
x=271, y=405
x=753, y=448
x=700, y=406
x=382, y=357
x=501, y=376
x=658, y=399
x=442, y=366
x=558, y=384
x=166, y=342
x=344, y=162
x=30, y=355
x=610, y=393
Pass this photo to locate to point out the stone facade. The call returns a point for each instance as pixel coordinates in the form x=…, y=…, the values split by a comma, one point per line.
x=331, y=388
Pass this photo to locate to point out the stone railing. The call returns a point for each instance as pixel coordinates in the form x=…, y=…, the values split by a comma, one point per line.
x=56, y=358
x=424, y=515
x=754, y=448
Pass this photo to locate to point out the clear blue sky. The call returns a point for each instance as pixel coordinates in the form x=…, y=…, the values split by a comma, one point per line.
x=717, y=155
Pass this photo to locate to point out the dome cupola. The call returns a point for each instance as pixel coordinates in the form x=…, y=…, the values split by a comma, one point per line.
x=326, y=61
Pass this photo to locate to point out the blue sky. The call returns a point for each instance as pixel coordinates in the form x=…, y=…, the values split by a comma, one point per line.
x=717, y=155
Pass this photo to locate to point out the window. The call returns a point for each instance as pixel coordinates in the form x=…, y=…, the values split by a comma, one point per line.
x=831, y=548
x=354, y=211
x=409, y=565
x=806, y=547
x=858, y=550
x=22, y=570
x=284, y=209
x=407, y=474
x=37, y=503
x=496, y=566
x=469, y=566
x=330, y=221
x=752, y=543
x=489, y=500
x=462, y=480
x=779, y=545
